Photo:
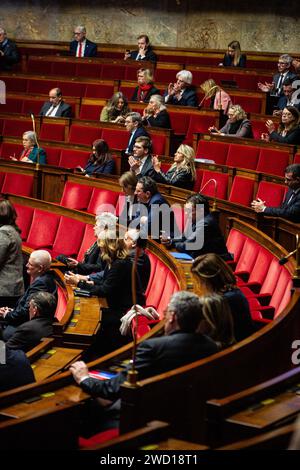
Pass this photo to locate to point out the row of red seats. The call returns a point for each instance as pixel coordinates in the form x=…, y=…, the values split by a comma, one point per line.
x=18, y=184
x=266, y=284
x=262, y=159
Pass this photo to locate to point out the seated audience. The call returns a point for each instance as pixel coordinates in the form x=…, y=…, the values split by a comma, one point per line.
x=31, y=153
x=133, y=124
x=182, y=173
x=180, y=345
x=145, y=88
x=182, y=93
x=41, y=279
x=128, y=182
x=42, y=307
x=215, y=276
x=141, y=161
x=116, y=109
x=217, y=320
x=100, y=161
x=288, y=98
x=156, y=114
x=238, y=125
x=15, y=371
x=56, y=106
x=81, y=46
x=144, y=51
x=290, y=208
x=9, y=54
x=202, y=233
x=234, y=57
x=11, y=259
x=219, y=99
x=288, y=131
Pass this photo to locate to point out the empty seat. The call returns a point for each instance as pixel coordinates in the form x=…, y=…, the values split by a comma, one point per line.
x=18, y=184
x=87, y=241
x=84, y=134
x=76, y=196
x=211, y=188
x=64, y=68
x=43, y=230
x=242, y=191
x=272, y=161
x=53, y=131
x=61, y=303
x=99, y=91
x=211, y=150
x=116, y=138
x=91, y=70
x=158, y=144
x=235, y=243
x=53, y=155
x=2, y=176
x=247, y=259
x=273, y=194
x=242, y=156
x=10, y=150
x=155, y=293
x=24, y=219
x=171, y=286
x=200, y=123
x=90, y=111
x=180, y=122
x=73, y=158
x=103, y=200
x=68, y=237
x=40, y=86
x=259, y=270
x=16, y=127
x=112, y=72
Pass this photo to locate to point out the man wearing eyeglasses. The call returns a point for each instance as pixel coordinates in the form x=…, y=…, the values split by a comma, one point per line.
x=80, y=46
x=290, y=208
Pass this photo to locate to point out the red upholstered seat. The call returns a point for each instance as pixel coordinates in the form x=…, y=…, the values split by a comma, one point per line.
x=222, y=184
x=18, y=184
x=258, y=128
x=235, y=243
x=43, y=229
x=87, y=240
x=41, y=67
x=297, y=158
x=103, y=200
x=64, y=68
x=170, y=287
x=211, y=150
x=24, y=219
x=99, y=91
x=91, y=70
x=40, y=87
x=76, y=196
x=260, y=269
x=166, y=75
x=242, y=191
x=83, y=134
x=246, y=82
x=73, y=88
x=247, y=258
x=12, y=105
x=2, y=176
x=112, y=72
x=180, y=122
x=98, y=438
x=250, y=105
x=9, y=150
x=158, y=144
x=242, y=156
x=16, y=127
x=16, y=84
x=68, y=237
x=157, y=286
x=153, y=262
x=73, y=158
x=61, y=304
x=53, y=155
x=272, y=161
x=116, y=138
x=90, y=112
x=32, y=106
x=272, y=193
x=53, y=131
x=199, y=123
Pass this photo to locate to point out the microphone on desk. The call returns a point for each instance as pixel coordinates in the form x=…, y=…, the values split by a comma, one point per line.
x=37, y=142
x=212, y=180
x=285, y=259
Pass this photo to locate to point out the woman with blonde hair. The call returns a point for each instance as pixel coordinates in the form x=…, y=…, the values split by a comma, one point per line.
x=219, y=99
x=116, y=109
x=234, y=57
x=217, y=320
x=238, y=125
x=182, y=173
x=215, y=276
x=145, y=88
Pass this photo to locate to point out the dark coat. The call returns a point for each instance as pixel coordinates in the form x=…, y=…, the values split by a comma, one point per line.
x=149, y=56
x=181, y=179
x=290, y=211
x=64, y=110
x=90, y=49
x=150, y=210
x=228, y=61
x=188, y=98
x=292, y=137
x=244, y=129
x=91, y=262
x=161, y=120
x=11, y=55
x=107, y=168
x=139, y=132
x=155, y=356
x=16, y=372
x=239, y=307
x=147, y=169
x=147, y=96
x=29, y=334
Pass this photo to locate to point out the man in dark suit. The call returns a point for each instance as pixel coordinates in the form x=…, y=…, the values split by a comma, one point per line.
x=141, y=161
x=288, y=98
x=80, y=46
x=42, y=306
x=56, y=107
x=9, y=54
x=144, y=52
x=15, y=370
x=290, y=208
x=41, y=279
x=179, y=346
x=133, y=124
x=182, y=93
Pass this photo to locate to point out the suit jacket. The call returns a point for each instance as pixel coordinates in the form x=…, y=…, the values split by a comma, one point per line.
x=228, y=61
x=29, y=334
x=147, y=169
x=140, y=131
x=244, y=129
x=91, y=262
x=150, y=55
x=147, y=96
x=11, y=55
x=206, y=231
x=282, y=103
x=155, y=356
x=11, y=262
x=292, y=137
x=290, y=211
x=239, y=307
x=90, y=49
x=16, y=372
x=276, y=78
x=188, y=98
x=64, y=109
x=154, y=223
x=20, y=314
x=181, y=179
x=107, y=168
x=162, y=119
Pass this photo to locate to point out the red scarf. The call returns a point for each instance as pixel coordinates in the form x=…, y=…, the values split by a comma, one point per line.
x=143, y=91
x=25, y=153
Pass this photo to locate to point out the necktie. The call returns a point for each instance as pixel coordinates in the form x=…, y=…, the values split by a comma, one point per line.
x=290, y=198
x=80, y=50
x=279, y=84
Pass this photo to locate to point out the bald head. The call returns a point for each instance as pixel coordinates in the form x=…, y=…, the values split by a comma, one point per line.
x=55, y=96
x=39, y=262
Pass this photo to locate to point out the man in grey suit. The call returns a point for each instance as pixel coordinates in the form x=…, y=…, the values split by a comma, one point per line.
x=56, y=107
x=180, y=345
